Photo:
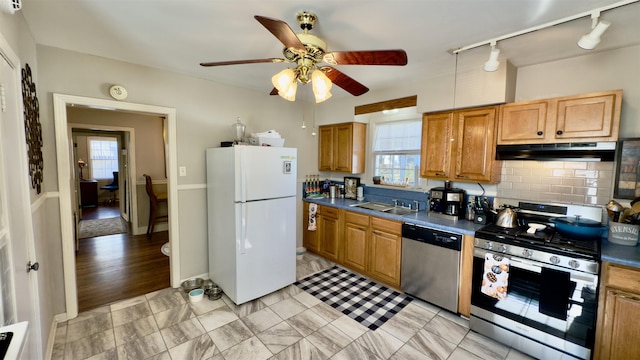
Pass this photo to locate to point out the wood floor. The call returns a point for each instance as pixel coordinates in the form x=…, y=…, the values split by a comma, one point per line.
x=116, y=267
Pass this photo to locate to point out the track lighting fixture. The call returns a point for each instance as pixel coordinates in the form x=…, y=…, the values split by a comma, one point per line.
x=493, y=63
x=592, y=39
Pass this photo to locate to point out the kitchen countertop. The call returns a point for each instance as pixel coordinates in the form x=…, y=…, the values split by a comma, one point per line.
x=620, y=254
x=419, y=218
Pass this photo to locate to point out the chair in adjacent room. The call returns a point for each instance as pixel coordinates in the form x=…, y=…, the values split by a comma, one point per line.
x=113, y=187
x=154, y=201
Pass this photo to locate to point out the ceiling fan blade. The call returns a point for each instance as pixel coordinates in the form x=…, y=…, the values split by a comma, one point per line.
x=238, y=62
x=367, y=57
x=342, y=80
x=274, y=91
x=282, y=31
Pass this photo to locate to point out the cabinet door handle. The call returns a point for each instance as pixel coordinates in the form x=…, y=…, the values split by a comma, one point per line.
x=441, y=174
x=559, y=132
x=462, y=176
x=540, y=133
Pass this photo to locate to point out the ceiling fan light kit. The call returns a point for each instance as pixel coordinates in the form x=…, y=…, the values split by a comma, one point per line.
x=307, y=51
x=321, y=86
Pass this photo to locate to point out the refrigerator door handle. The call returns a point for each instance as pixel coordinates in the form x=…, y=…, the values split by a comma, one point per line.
x=243, y=175
x=243, y=229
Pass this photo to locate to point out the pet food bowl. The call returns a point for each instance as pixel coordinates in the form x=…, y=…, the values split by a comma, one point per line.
x=208, y=284
x=191, y=284
x=196, y=295
x=214, y=293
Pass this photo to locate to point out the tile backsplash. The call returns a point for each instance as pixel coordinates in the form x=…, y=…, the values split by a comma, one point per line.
x=560, y=181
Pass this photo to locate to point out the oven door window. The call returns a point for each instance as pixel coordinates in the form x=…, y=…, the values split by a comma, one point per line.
x=522, y=303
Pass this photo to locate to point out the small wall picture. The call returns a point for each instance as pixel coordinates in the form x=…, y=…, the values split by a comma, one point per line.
x=627, y=185
x=351, y=187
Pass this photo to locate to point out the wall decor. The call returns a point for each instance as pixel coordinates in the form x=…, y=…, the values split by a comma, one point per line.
x=627, y=185
x=32, y=129
x=351, y=187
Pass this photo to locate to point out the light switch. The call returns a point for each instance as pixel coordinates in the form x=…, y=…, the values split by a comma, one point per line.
x=183, y=170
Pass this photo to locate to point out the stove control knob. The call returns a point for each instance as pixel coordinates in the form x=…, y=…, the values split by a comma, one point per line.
x=502, y=248
x=527, y=253
x=574, y=264
x=554, y=260
x=488, y=245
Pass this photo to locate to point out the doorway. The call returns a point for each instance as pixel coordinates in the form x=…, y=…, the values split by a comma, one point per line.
x=66, y=186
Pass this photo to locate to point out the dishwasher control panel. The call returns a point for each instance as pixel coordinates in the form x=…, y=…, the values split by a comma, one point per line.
x=432, y=236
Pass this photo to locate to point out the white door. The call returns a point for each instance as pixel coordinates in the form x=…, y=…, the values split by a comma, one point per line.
x=266, y=250
x=16, y=229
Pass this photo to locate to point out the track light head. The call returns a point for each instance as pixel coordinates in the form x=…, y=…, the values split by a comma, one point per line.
x=493, y=63
x=592, y=39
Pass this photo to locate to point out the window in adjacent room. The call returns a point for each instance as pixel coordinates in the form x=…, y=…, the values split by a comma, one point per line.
x=103, y=152
x=396, y=151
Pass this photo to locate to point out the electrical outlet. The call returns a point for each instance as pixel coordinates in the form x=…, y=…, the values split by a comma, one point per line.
x=183, y=170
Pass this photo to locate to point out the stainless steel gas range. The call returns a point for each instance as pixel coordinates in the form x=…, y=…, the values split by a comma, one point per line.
x=547, y=305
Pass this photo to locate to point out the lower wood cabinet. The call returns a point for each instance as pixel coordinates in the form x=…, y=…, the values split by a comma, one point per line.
x=329, y=233
x=618, y=329
x=369, y=245
x=386, y=250
x=309, y=238
x=356, y=241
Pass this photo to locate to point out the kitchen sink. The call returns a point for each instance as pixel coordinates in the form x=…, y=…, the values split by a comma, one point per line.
x=375, y=206
x=398, y=211
x=382, y=207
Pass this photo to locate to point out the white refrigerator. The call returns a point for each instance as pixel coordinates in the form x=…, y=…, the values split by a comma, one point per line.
x=251, y=196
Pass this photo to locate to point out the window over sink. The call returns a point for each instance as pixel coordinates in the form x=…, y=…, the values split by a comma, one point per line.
x=396, y=151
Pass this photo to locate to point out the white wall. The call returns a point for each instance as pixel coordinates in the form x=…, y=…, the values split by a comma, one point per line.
x=205, y=114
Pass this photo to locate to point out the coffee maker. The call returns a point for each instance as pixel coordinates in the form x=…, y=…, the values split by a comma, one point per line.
x=454, y=203
x=447, y=202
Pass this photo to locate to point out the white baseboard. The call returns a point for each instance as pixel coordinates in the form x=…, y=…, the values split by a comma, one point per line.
x=53, y=330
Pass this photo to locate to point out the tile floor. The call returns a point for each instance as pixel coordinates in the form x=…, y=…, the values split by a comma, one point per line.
x=287, y=324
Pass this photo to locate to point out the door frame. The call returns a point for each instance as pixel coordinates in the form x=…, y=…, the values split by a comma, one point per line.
x=65, y=184
x=130, y=174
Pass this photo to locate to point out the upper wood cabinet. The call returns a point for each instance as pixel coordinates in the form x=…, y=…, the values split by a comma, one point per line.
x=587, y=117
x=437, y=139
x=460, y=145
x=342, y=147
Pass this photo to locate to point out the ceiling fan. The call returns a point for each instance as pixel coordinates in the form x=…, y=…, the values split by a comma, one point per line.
x=313, y=62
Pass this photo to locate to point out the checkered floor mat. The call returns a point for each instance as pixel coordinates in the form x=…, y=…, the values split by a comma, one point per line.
x=365, y=301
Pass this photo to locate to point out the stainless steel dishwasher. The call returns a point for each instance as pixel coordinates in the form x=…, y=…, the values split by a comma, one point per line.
x=431, y=265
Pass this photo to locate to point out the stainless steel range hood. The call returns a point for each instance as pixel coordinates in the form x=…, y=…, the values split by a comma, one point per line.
x=585, y=151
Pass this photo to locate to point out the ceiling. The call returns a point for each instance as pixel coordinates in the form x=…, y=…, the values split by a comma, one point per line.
x=177, y=35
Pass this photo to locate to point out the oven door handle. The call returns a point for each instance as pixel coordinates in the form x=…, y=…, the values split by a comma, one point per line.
x=525, y=264
x=513, y=261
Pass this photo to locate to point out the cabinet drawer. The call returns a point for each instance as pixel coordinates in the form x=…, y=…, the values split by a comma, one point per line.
x=623, y=278
x=357, y=219
x=329, y=211
x=389, y=226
